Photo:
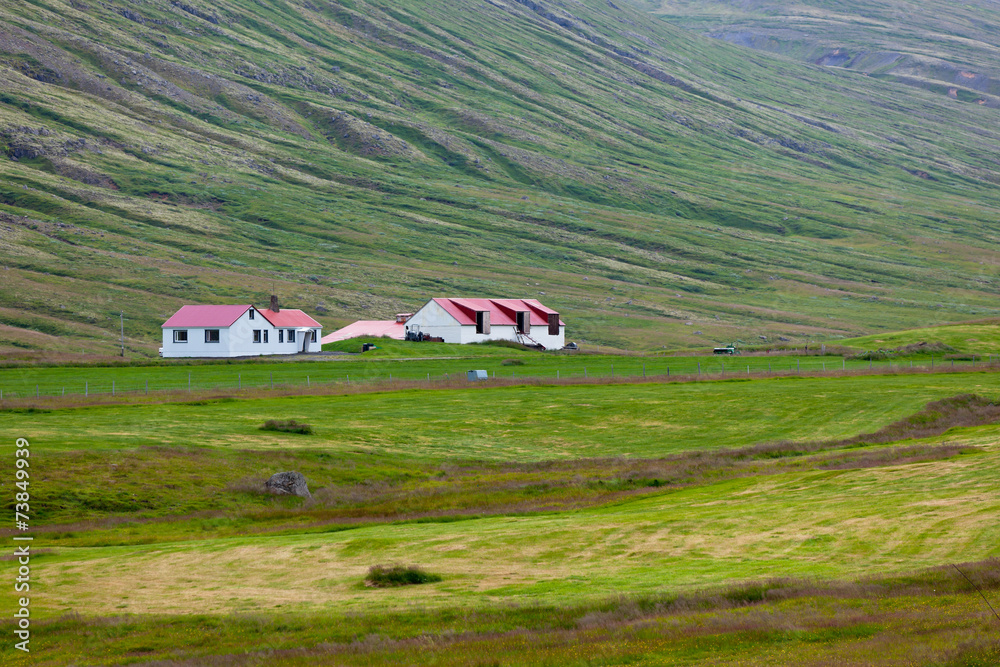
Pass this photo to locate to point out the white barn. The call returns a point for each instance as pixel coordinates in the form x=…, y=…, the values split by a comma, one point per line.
x=239, y=331
x=476, y=320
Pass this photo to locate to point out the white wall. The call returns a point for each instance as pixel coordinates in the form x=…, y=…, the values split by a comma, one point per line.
x=434, y=320
x=538, y=333
x=196, y=345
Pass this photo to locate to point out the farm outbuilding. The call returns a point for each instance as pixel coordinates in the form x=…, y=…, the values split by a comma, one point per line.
x=389, y=328
x=476, y=320
x=239, y=331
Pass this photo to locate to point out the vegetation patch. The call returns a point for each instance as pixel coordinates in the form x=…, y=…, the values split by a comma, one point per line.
x=389, y=576
x=287, y=426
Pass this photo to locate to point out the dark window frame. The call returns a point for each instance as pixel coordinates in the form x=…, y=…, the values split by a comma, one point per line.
x=210, y=338
x=178, y=333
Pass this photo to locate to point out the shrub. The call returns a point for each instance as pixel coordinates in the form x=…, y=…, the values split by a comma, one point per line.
x=387, y=576
x=286, y=426
x=512, y=362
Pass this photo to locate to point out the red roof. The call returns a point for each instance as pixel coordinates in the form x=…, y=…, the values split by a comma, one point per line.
x=206, y=316
x=290, y=317
x=389, y=328
x=502, y=311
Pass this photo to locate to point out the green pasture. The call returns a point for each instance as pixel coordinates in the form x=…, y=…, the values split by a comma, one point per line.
x=833, y=524
x=406, y=361
x=980, y=338
x=150, y=542
x=514, y=423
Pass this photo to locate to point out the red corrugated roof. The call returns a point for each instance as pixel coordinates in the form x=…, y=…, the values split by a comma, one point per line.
x=389, y=328
x=206, y=316
x=502, y=311
x=290, y=317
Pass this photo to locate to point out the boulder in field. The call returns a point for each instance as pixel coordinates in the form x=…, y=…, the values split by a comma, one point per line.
x=288, y=484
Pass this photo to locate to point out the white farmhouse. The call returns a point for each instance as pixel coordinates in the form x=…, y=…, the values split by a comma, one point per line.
x=239, y=331
x=475, y=320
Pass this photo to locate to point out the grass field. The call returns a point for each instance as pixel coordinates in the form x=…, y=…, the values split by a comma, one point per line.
x=439, y=363
x=571, y=524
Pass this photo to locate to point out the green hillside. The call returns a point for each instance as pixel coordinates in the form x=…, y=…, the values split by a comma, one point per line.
x=655, y=186
x=945, y=47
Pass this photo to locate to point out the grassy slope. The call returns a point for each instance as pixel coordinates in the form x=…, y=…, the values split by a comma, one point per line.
x=944, y=47
x=364, y=156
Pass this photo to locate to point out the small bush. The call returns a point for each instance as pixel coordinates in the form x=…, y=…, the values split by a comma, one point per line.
x=387, y=576
x=286, y=426
x=512, y=362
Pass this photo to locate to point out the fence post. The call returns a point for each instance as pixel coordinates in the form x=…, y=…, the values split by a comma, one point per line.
x=668, y=371
x=348, y=378
x=307, y=381
x=557, y=373
x=612, y=370
x=86, y=388
x=36, y=388
x=272, y=379
x=147, y=386
x=189, y=381
x=748, y=369
x=584, y=372
x=644, y=369
x=824, y=366
x=699, y=368
x=797, y=369
x=843, y=364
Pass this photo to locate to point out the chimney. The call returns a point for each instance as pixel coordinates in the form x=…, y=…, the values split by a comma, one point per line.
x=274, y=304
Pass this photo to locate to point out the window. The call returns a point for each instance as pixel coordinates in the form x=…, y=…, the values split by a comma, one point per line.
x=256, y=335
x=314, y=335
x=251, y=313
x=211, y=335
x=180, y=335
x=553, y=324
x=291, y=335
x=265, y=335
x=524, y=322
x=482, y=321
x=281, y=335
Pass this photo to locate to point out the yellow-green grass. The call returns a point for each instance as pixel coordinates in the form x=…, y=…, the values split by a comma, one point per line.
x=827, y=524
x=980, y=338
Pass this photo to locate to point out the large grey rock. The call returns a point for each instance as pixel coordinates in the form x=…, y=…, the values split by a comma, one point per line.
x=288, y=484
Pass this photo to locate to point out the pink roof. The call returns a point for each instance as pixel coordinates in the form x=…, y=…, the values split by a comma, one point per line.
x=206, y=316
x=290, y=317
x=502, y=311
x=376, y=328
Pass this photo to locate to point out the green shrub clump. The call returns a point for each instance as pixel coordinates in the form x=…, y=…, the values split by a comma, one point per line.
x=286, y=426
x=511, y=362
x=386, y=576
